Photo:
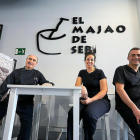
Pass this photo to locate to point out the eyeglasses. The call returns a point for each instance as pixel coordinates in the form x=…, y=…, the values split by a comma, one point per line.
x=34, y=60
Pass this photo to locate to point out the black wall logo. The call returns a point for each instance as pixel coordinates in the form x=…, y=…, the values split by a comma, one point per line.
x=76, y=21
x=50, y=37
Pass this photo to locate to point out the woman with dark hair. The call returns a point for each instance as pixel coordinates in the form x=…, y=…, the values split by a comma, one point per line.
x=94, y=101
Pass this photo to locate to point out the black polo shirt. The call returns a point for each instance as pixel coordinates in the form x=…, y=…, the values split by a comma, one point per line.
x=131, y=80
x=92, y=81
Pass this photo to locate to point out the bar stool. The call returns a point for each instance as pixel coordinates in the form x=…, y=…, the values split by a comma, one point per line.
x=105, y=124
x=105, y=127
x=125, y=128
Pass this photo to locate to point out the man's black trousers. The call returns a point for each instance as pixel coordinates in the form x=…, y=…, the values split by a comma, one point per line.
x=130, y=119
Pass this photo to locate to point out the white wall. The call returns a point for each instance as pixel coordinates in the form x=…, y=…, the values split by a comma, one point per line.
x=138, y=9
x=24, y=18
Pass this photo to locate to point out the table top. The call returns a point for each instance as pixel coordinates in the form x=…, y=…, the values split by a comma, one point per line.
x=110, y=91
x=44, y=90
x=43, y=87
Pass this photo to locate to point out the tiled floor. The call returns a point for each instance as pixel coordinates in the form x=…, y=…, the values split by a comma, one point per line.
x=97, y=136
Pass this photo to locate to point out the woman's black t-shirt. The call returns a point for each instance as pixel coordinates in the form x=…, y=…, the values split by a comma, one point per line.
x=92, y=81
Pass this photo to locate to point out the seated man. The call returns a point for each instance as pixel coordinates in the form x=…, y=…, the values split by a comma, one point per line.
x=127, y=93
x=23, y=76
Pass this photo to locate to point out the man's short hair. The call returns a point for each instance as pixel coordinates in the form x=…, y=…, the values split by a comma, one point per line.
x=135, y=48
x=34, y=55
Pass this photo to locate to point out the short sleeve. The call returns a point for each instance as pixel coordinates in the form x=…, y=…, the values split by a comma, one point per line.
x=119, y=76
x=102, y=75
x=80, y=74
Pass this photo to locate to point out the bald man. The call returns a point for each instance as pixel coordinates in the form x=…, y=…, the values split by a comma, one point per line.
x=23, y=76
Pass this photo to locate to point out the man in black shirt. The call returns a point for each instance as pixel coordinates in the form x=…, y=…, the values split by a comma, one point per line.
x=127, y=91
x=23, y=76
